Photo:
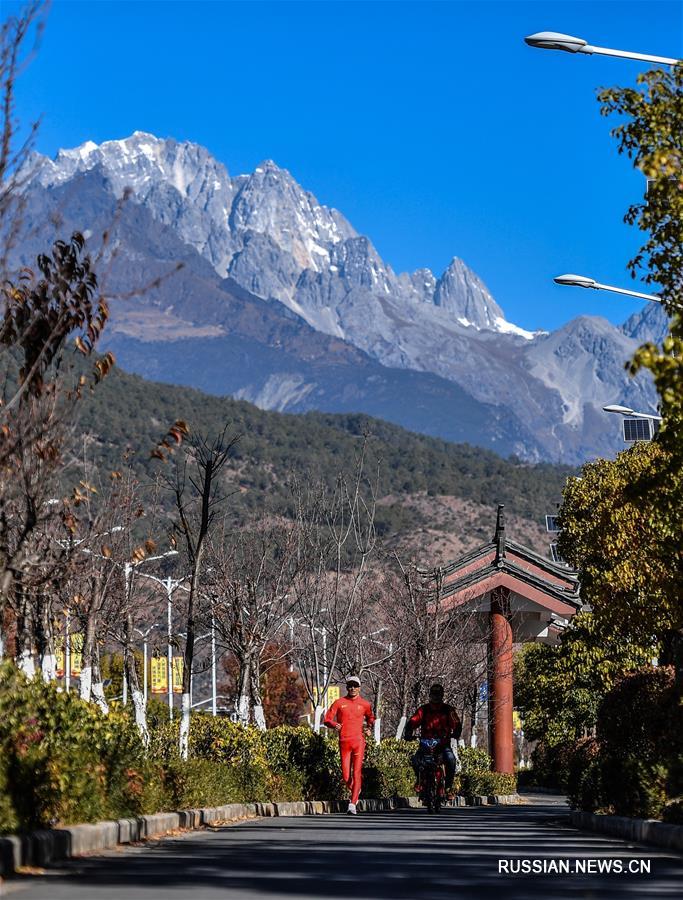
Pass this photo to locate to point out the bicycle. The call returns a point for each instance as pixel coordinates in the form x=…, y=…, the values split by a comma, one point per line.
x=431, y=782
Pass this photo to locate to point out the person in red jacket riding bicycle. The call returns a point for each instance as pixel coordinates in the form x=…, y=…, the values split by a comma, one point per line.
x=436, y=719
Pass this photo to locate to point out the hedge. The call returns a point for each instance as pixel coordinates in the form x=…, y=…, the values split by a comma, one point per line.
x=63, y=761
x=476, y=777
x=634, y=765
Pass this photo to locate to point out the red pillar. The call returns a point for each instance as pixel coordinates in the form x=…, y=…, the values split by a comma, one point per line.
x=500, y=682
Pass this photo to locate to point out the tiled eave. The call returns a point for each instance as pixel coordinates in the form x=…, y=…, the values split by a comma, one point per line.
x=475, y=583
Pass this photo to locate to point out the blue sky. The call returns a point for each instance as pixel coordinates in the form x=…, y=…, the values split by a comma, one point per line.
x=431, y=126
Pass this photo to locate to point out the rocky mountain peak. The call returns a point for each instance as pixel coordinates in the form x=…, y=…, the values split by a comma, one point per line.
x=272, y=203
x=462, y=293
x=651, y=323
x=275, y=240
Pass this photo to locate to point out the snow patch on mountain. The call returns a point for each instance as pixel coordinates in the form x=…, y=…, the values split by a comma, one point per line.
x=505, y=327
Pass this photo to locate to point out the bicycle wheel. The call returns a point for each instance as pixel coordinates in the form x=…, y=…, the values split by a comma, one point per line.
x=430, y=791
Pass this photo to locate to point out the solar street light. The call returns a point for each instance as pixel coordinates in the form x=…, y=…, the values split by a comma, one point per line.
x=584, y=281
x=637, y=426
x=627, y=411
x=554, y=40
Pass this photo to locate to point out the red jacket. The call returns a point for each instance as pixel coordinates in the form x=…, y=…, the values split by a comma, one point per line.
x=351, y=714
x=434, y=721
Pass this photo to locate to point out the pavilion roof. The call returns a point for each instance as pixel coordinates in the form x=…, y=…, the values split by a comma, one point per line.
x=504, y=563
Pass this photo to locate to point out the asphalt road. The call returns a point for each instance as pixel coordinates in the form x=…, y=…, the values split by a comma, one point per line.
x=377, y=856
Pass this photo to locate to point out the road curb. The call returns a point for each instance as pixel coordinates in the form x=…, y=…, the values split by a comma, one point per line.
x=53, y=845
x=640, y=831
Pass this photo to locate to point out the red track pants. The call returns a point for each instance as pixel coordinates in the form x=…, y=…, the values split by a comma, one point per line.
x=352, y=752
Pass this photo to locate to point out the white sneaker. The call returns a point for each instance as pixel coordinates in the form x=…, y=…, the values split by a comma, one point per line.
x=351, y=811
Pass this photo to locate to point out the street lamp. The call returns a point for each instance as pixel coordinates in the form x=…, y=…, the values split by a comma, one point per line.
x=128, y=569
x=583, y=281
x=637, y=426
x=627, y=411
x=170, y=585
x=553, y=40
x=144, y=635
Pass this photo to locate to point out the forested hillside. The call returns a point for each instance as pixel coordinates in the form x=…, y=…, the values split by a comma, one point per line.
x=425, y=484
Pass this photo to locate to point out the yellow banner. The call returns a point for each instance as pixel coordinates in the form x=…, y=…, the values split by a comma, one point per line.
x=177, y=674
x=159, y=674
x=60, y=658
x=516, y=721
x=333, y=693
x=76, y=653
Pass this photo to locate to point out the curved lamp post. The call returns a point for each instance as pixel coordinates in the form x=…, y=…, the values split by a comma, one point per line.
x=627, y=411
x=584, y=281
x=553, y=40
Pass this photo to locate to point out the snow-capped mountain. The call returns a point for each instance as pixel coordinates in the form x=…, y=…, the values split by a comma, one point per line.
x=271, y=236
x=265, y=234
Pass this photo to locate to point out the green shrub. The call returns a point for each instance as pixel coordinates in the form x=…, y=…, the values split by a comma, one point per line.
x=203, y=782
x=9, y=818
x=218, y=740
x=476, y=776
x=584, y=779
x=63, y=761
x=300, y=758
x=640, y=731
x=633, y=787
x=551, y=764
x=483, y=781
x=640, y=716
x=387, y=771
x=473, y=759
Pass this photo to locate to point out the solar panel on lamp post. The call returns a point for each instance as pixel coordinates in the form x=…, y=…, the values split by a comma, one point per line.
x=638, y=426
x=554, y=40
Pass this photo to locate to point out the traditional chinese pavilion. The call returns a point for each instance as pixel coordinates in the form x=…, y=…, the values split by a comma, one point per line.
x=517, y=596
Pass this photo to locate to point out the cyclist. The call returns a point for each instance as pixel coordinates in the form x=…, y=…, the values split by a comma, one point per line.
x=351, y=717
x=436, y=719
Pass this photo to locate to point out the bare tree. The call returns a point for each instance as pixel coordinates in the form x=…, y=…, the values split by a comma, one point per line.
x=38, y=405
x=335, y=542
x=197, y=494
x=431, y=641
x=15, y=34
x=250, y=589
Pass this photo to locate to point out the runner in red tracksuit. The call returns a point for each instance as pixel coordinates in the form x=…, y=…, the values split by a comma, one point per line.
x=349, y=716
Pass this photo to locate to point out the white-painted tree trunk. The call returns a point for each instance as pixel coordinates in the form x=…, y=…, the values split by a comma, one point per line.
x=141, y=717
x=184, y=747
x=259, y=717
x=48, y=667
x=97, y=694
x=85, y=683
x=27, y=664
x=243, y=708
x=244, y=699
